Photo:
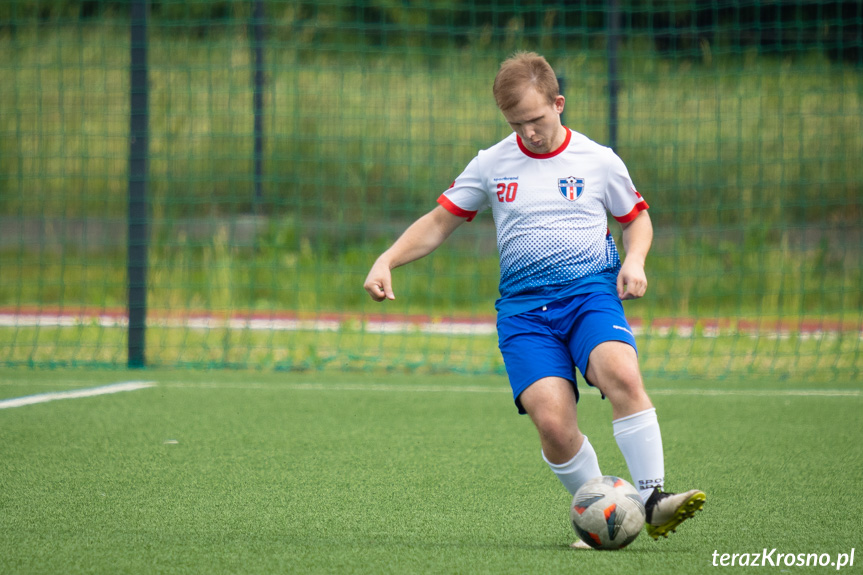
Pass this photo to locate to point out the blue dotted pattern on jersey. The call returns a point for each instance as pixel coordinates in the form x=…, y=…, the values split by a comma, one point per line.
x=536, y=261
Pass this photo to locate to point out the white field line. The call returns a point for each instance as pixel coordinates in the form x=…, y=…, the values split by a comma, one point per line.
x=382, y=387
x=343, y=387
x=75, y=393
x=477, y=328
x=761, y=392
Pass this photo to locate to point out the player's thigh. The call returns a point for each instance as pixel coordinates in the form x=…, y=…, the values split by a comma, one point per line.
x=531, y=352
x=602, y=344
x=613, y=369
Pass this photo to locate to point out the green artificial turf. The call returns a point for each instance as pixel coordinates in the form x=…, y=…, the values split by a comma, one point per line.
x=242, y=472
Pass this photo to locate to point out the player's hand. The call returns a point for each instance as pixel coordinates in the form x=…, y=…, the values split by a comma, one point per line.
x=379, y=282
x=631, y=281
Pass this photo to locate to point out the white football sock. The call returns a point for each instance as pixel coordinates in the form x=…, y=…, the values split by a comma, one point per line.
x=575, y=472
x=640, y=441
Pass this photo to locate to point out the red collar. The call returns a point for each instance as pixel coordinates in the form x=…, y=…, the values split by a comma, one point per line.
x=552, y=154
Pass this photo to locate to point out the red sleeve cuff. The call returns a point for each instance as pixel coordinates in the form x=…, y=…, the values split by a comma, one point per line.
x=454, y=209
x=639, y=207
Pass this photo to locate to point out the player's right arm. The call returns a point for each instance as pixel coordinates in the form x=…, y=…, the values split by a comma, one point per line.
x=419, y=240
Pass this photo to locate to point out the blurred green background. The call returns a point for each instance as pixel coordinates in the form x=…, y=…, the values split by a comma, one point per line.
x=741, y=124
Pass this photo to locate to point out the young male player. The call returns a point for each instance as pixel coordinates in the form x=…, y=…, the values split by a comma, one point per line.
x=561, y=281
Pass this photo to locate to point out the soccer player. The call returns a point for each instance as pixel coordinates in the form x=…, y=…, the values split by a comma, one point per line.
x=561, y=281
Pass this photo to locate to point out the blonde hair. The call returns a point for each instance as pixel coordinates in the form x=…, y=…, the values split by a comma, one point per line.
x=519, y=72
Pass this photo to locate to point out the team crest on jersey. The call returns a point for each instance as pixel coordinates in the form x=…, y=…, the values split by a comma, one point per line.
x=571, y=188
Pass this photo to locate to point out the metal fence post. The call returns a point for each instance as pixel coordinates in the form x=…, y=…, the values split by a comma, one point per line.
x=138, y=176
x=258, y=53
x=613, y=14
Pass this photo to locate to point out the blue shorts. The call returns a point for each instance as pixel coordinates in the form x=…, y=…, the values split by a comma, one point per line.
x=556, y=339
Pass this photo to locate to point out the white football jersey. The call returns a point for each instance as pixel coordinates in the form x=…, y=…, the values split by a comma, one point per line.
x=549, y=210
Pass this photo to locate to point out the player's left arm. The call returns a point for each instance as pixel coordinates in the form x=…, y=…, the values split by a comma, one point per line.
x=637, y=239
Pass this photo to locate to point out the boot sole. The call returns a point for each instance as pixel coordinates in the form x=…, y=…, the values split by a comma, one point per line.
x=684, y=512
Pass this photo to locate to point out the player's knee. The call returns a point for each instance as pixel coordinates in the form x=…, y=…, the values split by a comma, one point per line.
x=631, y=384
x=557, y=432
x=629, y=388
x=623, y=384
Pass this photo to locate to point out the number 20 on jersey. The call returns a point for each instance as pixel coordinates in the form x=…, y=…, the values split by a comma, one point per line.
x=506, y=192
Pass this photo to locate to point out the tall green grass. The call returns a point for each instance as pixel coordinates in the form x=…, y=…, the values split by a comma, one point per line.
x=353, y=134
x=289, y=270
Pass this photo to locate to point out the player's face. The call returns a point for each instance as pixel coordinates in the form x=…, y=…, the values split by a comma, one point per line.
x=537, y=122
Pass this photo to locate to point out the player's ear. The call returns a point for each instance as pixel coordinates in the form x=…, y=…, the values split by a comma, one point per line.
x=559, y=103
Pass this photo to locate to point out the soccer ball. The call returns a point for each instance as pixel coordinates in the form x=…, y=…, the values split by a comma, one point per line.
x=607, y=513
